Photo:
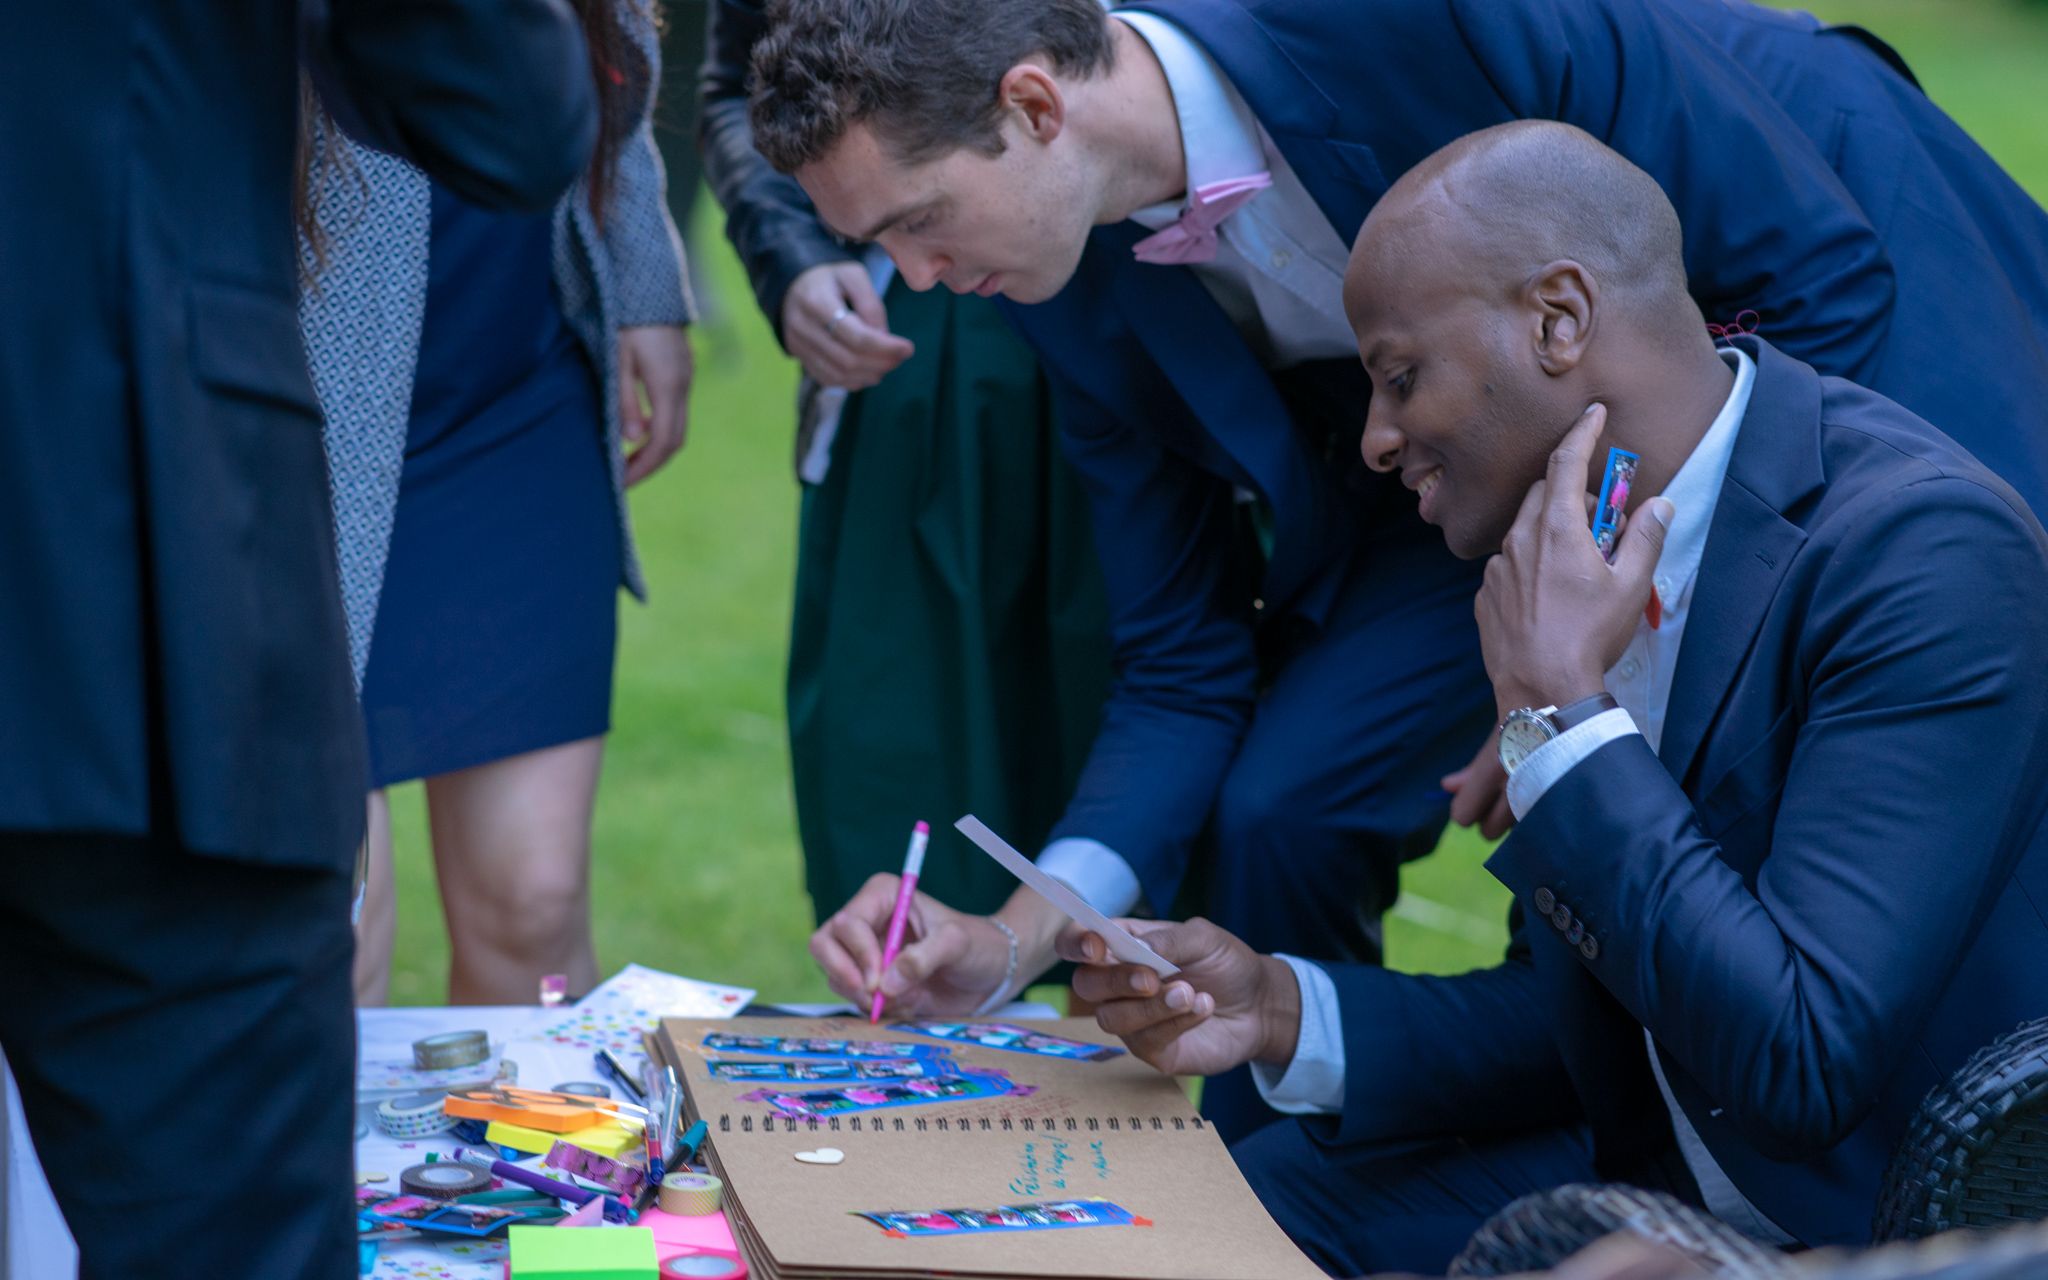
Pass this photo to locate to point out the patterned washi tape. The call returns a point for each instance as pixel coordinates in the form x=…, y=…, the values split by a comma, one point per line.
x=415, y=1115
x=451, y=1049
x=691, y=1195
x=443, y=1180
x=704, y=1264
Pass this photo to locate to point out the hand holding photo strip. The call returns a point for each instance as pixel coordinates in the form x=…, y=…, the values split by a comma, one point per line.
x=1122, y=944
x=1607, y=516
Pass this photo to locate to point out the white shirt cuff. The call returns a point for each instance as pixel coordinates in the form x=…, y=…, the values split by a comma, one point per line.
x=1313, y=1081
x=1542, y=768
x=1095, y=871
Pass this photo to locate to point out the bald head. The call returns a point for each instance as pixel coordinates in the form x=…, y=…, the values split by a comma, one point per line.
x=1485, y=214
x=1498, y=289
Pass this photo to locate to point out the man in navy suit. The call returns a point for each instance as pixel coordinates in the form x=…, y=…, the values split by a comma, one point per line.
x=1780, y=860
x=181, y=759
x=1174, y=185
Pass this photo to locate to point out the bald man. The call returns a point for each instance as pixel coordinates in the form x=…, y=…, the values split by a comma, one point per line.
x=1779, y=844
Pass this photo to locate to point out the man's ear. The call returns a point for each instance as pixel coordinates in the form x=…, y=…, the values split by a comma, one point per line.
x=1563, y=300
x=1031, y=92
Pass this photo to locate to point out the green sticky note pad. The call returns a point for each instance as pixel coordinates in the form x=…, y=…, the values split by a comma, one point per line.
x=583, y=1253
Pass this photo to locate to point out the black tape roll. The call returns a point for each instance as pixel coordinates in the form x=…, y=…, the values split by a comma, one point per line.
x=443, y=1180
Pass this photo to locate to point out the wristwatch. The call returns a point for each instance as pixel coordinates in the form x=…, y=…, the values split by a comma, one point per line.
x=1528, y=728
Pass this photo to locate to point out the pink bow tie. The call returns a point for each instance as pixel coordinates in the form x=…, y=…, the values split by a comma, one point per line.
x=1193, y=237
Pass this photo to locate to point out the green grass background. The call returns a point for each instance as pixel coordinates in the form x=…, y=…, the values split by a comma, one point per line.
x=697, y=868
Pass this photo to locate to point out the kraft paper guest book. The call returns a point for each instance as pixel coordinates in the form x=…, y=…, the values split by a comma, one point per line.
x=968, y=1148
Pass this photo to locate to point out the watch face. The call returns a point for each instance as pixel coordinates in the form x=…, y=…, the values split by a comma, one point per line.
x=1522, y=733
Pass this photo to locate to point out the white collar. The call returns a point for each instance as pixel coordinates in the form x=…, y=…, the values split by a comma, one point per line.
x=1218, y=132
x=1696, y=489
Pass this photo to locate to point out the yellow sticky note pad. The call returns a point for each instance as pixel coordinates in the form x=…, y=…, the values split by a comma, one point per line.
x=607, y=1137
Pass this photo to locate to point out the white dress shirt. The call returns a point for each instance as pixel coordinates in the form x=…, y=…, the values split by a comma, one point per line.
x=1278, y=274
x=1641, y=682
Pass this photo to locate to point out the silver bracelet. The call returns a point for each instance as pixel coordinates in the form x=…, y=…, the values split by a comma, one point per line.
x=1000, y=996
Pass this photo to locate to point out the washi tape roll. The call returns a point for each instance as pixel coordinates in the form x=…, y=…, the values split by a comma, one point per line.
x=704, y=1264
x=451, y=1049
x=588, y=1088
x=415, y=1115
x=691, y=1195
x=443, y=1180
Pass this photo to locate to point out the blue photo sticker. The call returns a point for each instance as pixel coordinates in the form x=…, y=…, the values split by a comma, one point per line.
x=1001, y=1035
x=1614, y=486
x=853, y=1099
x=1038, y=1215
x=805, y=1047
x=821, y=1070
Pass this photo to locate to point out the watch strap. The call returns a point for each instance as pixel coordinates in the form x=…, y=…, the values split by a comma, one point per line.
x=1577, y=712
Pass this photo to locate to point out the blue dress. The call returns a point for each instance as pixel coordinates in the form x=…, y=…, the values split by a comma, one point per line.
x=498, y=620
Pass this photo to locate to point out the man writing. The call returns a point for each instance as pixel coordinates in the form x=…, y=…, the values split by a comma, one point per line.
x=1779, y=855
x=1175, y=183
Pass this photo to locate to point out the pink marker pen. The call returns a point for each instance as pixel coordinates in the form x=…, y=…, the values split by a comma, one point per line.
x=913, y=864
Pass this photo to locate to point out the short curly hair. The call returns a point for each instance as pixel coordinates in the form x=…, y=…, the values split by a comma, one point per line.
x=924, y=73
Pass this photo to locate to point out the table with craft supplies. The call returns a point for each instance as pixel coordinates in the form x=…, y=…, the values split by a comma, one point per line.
x=530, y=1143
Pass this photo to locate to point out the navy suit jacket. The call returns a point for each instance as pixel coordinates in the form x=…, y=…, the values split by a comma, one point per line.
x=171, y=653
x=1827, y=887
x=1817, y=186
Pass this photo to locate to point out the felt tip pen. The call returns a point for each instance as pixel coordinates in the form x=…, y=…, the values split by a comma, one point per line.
x=913, y=866
x=614, y=1209
x=686, y=1150
x=608, y=1063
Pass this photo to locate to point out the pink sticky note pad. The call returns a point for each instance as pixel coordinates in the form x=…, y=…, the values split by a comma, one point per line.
x=705, y=1231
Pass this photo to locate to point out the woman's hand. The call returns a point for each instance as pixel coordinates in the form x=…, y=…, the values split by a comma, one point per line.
x=654, y=361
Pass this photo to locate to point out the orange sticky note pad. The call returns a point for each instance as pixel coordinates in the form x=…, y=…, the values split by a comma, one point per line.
x=528, y=1108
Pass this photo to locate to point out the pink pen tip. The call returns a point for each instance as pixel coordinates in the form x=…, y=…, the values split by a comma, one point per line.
x=923, y=828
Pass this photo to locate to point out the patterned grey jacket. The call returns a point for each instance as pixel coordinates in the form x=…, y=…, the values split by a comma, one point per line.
x=361, y=315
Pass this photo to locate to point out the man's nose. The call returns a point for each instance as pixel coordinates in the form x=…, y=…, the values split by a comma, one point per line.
x=1381, y=444
x=922, y=270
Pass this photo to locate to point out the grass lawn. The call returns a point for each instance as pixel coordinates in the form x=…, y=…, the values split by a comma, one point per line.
x=697, y=866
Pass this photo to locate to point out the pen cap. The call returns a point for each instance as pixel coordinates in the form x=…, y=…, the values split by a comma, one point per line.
x=913, y=858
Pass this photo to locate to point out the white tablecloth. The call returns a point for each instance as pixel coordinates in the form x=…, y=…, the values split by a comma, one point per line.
x=35, y=1244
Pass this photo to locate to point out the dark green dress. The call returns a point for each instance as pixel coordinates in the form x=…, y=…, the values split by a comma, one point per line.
x=949, y=646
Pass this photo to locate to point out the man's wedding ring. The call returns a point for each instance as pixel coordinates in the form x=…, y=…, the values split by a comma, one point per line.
x=833, y=324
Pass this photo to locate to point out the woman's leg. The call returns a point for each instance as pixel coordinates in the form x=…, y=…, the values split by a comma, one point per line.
x=512, y=853
x=378, y=927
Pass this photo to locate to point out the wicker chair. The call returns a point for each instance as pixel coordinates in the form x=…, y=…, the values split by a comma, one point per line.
x=1539, y=1231
x=1976, y=1153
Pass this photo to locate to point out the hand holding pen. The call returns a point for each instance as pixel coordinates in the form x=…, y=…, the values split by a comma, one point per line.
x=913, y=866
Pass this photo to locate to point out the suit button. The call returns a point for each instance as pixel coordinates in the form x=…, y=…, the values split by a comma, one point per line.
x=1561, y=918
x=1545, y=901
x=1577, y=933
x=1590, y=948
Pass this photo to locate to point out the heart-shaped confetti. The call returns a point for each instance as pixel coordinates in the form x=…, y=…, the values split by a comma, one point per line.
x=823, y=1155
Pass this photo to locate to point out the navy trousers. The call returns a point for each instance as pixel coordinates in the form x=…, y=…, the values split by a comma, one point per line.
x=1337, y=783
x=155, y=997
x=1408, y=1207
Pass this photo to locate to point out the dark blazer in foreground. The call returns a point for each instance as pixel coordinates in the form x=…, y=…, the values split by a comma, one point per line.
x=1826, y=889
x=1817, y=186
x=171, y=655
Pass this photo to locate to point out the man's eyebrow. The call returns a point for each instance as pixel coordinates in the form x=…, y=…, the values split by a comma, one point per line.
x=1372, y=357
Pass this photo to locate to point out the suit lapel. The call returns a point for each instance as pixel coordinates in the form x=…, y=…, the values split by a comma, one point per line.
x=1750, y=545
x=1201, y=353
x=1344, y=178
